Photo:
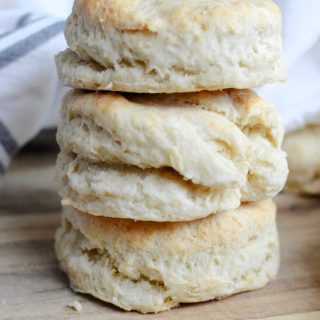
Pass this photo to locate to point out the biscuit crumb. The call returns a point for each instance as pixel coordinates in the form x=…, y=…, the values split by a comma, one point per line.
x=75, y=305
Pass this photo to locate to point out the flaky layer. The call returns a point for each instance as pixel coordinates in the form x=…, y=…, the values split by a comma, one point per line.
x=172, y=46
x=141, y=194
x=226, y=141
x=303, y=148
x=152, y=267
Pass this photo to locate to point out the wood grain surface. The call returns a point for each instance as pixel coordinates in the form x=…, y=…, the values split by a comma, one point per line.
x=33, y=287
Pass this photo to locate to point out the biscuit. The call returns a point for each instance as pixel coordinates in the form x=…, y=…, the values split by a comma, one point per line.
x=303, y=151
x=172, y=46
x=152, y=266
x=224, y=140
x=122, y=191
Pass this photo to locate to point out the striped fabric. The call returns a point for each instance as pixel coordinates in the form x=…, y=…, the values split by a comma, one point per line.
x=30, y=91
x=29, y=88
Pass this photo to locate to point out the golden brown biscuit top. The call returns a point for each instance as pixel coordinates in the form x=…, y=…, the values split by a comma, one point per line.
x=152, y=16
x=177, y=236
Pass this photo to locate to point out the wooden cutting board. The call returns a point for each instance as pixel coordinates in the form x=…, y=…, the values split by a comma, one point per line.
x=32, y=286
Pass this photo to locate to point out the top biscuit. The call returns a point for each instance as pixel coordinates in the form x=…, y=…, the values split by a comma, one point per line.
x=168, y=46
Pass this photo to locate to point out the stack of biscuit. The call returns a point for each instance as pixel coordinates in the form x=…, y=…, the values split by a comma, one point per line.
x=168, y=162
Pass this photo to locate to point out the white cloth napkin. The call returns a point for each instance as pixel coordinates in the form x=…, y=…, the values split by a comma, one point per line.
x=30, y=93
x=298, y=100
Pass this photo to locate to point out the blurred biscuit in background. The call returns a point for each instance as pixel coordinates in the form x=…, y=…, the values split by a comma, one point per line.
x=303, y=149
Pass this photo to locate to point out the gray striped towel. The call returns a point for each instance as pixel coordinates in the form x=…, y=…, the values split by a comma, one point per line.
x=30, y=92
x=29, y=89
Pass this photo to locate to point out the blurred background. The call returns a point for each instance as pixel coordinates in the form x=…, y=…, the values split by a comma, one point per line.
x=31, y=32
